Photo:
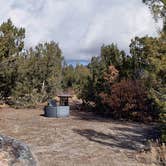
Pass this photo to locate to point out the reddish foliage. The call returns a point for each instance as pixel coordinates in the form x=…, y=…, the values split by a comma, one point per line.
x=128, y=98
x=112, y=74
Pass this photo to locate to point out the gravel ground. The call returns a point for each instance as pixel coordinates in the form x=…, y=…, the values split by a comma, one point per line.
x=4, y=158
x=81, y=139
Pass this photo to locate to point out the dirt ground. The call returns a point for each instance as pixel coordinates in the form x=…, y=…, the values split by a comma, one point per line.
x=81, y=139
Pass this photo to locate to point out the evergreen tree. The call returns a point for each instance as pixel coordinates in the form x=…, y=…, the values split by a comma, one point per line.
x=11, y=45
x=39, y=74
x=150, y=56
x=158, y=7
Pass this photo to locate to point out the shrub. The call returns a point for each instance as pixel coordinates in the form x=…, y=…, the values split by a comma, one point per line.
x=128, y=99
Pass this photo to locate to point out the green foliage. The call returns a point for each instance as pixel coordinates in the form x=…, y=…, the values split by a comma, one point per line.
x=150, y=56
x=99, y=67
x=74, y=77
x=147, y=64
x=69, y=78
x=39, y=74
x=158, y=7
x=11, y=45
x=11, y=40
x=110, y=54
x=29, y=76
x=153, y=52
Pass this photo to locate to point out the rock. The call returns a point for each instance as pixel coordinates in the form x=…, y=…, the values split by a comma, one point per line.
x=20, y=154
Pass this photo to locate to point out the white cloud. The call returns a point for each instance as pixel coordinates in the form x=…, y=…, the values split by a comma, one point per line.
x=80, y=26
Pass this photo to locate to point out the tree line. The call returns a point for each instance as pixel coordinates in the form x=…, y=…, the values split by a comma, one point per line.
x=30, y=76
x=27, y=76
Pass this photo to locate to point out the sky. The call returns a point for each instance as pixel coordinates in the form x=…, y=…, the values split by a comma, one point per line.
x=80, y=27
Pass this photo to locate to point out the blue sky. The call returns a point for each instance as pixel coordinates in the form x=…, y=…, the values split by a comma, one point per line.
x=75, y=62
x=80, y=26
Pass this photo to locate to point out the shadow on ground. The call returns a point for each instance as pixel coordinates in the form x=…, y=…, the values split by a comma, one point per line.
x=88, y=116
x=130, y=141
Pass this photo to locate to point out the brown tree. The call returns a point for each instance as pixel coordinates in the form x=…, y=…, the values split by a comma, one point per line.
x=128, y=99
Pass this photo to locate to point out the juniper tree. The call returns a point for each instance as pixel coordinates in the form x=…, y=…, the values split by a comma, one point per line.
x=11, y=45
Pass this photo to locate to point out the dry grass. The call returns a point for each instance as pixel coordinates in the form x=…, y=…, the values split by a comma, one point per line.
x=4, y=158
x=158, y=153
x=82, y=139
